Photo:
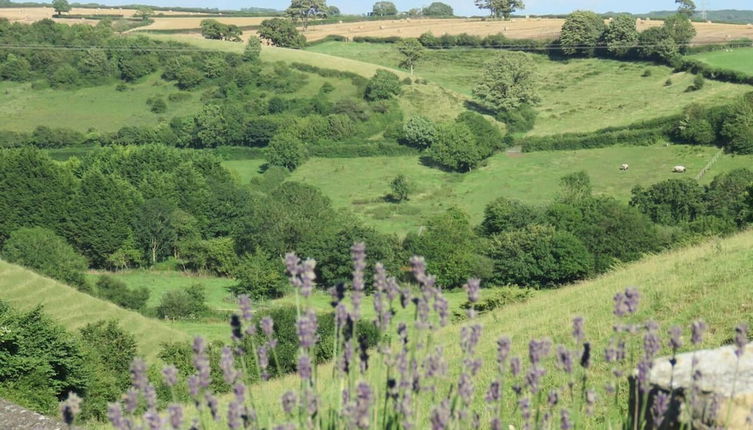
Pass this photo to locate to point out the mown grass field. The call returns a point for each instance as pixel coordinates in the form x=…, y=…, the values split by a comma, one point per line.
x=710, y=281
x=24, y=290
x=361, y=184
x=735, y=59
x=577, y=95
x=102, y=107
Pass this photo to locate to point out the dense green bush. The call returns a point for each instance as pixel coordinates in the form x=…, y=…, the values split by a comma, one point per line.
x=456, y=148
x=503, y=215
x=281, y=32
x=419, y=132
x=118, y=292
x=183, y=304
x=671, y=202
x=286, y=150
x=47, y=253
x=496, y=299
x=259, y=276
x=382, y=86
x=42, y=363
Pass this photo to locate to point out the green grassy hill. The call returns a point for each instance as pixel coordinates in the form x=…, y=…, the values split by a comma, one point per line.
x=578, y=95
x=735, y=59
x=25, y=290
x=530, y=177
x=710, y=281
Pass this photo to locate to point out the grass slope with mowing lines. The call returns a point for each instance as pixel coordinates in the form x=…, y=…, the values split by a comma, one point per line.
x=102, y=107
x=710, y=281
x=24, y=290
x=578, y=95
x=736, y=59
x=530, y=177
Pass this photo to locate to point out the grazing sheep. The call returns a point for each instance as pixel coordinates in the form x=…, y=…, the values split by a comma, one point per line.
x=624, y=166
x=679, y=169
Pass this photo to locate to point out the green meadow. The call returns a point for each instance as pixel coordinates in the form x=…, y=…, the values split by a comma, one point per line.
x=361, y=184
x=577, y=95
x=740, y=59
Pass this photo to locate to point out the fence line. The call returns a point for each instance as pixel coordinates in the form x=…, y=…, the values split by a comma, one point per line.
x=711, y=162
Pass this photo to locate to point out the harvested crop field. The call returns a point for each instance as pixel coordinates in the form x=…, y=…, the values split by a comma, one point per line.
x=33, y=14
x=518, y=28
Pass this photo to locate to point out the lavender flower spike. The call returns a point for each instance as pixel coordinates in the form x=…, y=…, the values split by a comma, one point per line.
x=267, y=326
x=697, y=329
x=176, y=416
x=741, y=339
x=115, y=416
x=70, y=408
x=472, y=288
x=659, y=408
x=170, y=375
x=578, y=332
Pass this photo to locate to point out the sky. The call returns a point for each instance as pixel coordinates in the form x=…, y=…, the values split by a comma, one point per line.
x=462, y=7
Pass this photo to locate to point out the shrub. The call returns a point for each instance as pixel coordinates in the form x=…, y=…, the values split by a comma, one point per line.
x=647, y=73
x=286, y=150
x=496, y=299
x=118, y=292
x=158, y=106
x=47, y=253
x=383, y=85
x=698, y=83
x=538, y=256
x=216, y=256
x=670, y=202
x=668, y=82
x=281, y=32
x=488, y=136
x=183, y=304
x=456, y=148
x=519, y=120
x=259, y=276
x=401, y=188
x=503, y=215
x=419, y=132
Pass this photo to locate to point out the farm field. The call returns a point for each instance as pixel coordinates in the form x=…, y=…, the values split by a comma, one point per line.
x=24, y=290
x=27, y=15
x=735, y=59
x=530, y=177
x=578, y=95
x=676, y=288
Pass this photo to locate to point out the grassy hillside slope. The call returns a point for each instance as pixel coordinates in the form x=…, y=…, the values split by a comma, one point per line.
x=710, y=281
x=72, y=309
x=530, y=177
x=577, y=95
x=735, y=59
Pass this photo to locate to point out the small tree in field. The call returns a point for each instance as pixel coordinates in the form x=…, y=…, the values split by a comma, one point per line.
x=500, y=8
x=253, y=50
x=305, y=10
x=383, y=85
x=400, y=188
x=144, y=13
x=412, y=51
x=61, y=6
x=507, y=83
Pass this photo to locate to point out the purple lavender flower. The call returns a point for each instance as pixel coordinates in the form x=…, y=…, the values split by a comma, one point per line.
x=70, y=408
x=469, y=338
x=495, y=424
x=235, y=415
x=465, y=388
x=227, y=364
x=153, y=420
x=150, y=395
x=364, y=399
x=442, y=309
x=741, y=339
x=201, y=362
x=525, y=410
x=659, y=408
x=632, y=299
x=267, y=326
x=138, y=374
x=131, y=400
x=263, y=355
x=553, y=398
x=533, y=378
x=538, y=350
x=515, y=366
x=304, y=367
x=644, y=370
x=236, y=328
x=698, y=328
x=494, y=393
x=170, y=375
x=651, y=344
x=213, y=405
x=565, y=422
x=440, y=416
x=115, y=416
x=564, y=359
x=176, y=416
x=590, y=401
x=579, y=332
x=472, y=288
x=620, y=305
x=193, y=386
x=503, y=350
x=289, y=401
x=306, y=329
x=675, y=338
x=244, y=303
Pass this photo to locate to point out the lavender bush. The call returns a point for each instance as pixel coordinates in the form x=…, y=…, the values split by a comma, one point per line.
x=415, y=371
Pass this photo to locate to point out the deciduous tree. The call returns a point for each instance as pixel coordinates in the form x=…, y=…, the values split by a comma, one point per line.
x=501, y=8
x=411, y=51
x=508, y=82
